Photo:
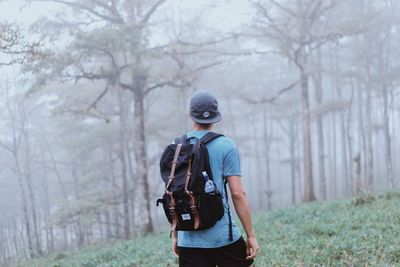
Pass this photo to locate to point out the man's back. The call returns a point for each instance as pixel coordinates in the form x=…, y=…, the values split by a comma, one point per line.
x=224, y=162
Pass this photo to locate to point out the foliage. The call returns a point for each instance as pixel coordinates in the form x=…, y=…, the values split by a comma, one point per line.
x=364, y=198
x=340, y=233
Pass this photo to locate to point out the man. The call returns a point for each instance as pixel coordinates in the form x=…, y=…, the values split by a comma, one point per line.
x=214, y=247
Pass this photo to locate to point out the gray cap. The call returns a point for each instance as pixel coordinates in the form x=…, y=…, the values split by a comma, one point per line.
x=204, y=108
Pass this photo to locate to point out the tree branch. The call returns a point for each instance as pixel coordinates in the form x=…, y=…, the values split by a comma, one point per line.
x=287, y=10
x=151, y=11
x=234, y=36
x=103, y=93
x=271, y=100
x=114, y=19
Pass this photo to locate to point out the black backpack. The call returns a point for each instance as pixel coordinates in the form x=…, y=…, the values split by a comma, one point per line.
x=185, y=170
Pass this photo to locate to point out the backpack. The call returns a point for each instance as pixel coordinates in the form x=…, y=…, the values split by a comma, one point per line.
x=191, y=201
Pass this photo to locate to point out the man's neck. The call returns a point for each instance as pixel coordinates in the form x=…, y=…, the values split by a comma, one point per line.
x=197, y=127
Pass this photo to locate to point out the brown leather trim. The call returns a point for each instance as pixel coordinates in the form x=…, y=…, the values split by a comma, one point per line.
x=174, y=162
x=188, y=174
x=172, y=212
x=193, y=209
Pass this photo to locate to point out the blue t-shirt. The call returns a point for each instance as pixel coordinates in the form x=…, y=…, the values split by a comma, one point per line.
x=224, y=161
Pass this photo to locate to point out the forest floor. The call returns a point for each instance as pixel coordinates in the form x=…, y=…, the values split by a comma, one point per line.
x=363, y=231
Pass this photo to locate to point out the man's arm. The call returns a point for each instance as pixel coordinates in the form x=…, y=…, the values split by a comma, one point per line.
x=242, y=208
x=175, y=249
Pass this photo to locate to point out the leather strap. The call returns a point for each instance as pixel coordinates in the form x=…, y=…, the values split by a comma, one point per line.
x=174, y=163
x=172, y=212
x=171, y=177
x=192, y=202
x=188, y=174
x=193, y=209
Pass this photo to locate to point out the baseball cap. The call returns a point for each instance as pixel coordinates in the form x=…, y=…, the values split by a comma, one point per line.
x=204, y=108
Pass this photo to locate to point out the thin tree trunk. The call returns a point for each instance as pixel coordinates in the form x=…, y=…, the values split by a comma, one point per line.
x=349, y=134
x=362, y=138
x=80, y=229
x=388, y=143
x=45, y=187
x=334, y=156
x=293, y=160
x=65, y=237
x=370, y=149
x=343, y=147
x=320, y=127
x=24, y=204
x=115, y=213
x=307, y=150
x=267, y=142
x=141, y=154
x=108, y=225
x=344, y=157
x=122, y=158
x=28, y=177
x=357, y=163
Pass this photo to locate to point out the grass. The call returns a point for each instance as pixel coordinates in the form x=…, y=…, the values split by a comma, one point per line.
x=363, y=231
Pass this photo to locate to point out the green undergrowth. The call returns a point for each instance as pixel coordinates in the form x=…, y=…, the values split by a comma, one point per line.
x=363, y=231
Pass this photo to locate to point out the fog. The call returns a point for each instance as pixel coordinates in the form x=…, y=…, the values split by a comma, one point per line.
x=92, y=91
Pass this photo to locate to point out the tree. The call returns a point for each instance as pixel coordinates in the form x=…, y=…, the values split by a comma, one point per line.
x=293, y=26
x=117, y=39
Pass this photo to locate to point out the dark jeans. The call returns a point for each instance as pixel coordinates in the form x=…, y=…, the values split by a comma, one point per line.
x=232, y=255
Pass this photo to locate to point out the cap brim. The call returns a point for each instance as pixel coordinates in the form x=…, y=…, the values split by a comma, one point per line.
x=207, y=121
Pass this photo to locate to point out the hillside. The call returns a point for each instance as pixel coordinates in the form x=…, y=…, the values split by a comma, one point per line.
x=357, y=232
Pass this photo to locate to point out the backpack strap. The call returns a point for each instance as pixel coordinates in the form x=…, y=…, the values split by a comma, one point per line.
x=171, y=177
x=174, y=162
x=180, y=139
x=205, y=140
x=209, y=137
x=229, y=211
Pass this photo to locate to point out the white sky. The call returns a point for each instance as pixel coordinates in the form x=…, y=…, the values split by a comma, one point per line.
x=20, y=11
x=227, y=15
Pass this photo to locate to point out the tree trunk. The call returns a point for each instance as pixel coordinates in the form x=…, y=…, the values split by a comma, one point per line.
x=320, y=127
x=24, y=203
x=334, y=157
x=388, y=143
x=115, y=213
x=357, y=162
x=349, y=134
x=45, y=187
x=307, y=150
x=124, y=170
x=28, y=177
x=293, y=160
x=370, y=150
x=141, y=155
x=267, y=141
x=362, y=138
x=80, y=228
x=343, y=147
x=345, y=161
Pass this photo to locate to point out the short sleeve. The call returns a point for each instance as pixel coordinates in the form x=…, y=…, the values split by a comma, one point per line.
x=231, y=165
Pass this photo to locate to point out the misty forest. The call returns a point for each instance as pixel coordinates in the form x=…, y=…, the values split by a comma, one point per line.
x=92, y=91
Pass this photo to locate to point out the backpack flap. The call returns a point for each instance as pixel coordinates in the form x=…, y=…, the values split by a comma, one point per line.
x=167, y=157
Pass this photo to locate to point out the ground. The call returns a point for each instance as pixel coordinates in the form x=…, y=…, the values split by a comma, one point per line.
x=362, y=231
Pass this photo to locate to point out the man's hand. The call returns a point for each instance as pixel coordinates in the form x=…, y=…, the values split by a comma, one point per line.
x=175, y=249
x=252, y=248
